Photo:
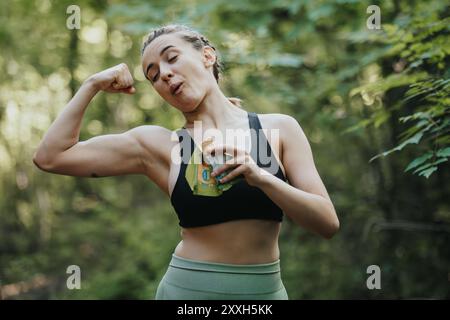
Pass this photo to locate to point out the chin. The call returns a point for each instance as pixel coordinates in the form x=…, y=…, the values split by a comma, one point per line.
x=187, y=105
x=187, y=108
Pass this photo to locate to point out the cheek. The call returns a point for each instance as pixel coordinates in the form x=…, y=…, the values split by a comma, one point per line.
x=192, y=69
x=160, y=90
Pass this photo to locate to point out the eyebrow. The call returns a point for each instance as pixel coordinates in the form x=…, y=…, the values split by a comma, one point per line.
x=160, y=54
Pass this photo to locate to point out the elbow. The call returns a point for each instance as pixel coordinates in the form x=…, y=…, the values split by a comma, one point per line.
x=332, y=229
x=332, y=225
x=41, y=164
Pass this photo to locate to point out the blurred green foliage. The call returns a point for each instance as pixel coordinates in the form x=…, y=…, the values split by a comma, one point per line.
x=355, y=92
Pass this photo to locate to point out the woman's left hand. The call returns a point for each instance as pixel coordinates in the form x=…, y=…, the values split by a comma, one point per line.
x=242, y=162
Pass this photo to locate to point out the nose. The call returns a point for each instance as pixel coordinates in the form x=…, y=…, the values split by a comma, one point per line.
x=166, y=73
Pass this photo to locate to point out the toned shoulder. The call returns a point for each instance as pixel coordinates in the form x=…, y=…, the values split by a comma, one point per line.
x=144, y=131
x=277, y=121
x=289, y=130
x=156, y=140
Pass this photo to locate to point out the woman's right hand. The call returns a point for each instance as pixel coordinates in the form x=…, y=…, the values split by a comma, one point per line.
x=115, y=79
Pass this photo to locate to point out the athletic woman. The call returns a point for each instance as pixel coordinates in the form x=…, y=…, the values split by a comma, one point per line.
x=230, y=218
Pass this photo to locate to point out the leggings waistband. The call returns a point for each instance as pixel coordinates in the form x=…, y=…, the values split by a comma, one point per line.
x=190, y=264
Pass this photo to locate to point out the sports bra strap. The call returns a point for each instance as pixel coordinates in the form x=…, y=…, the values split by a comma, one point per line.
x=259, y=140
x=186, y=145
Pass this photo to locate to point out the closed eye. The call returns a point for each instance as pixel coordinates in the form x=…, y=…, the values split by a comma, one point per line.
x=170, y=60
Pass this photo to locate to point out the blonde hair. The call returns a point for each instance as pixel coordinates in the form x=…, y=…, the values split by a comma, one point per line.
x=236, y=101
x=198, y=42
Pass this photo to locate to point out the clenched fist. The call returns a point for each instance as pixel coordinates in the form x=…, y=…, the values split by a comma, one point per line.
x=114, y=79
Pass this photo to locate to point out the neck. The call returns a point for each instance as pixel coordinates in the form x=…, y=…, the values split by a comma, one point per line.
x=214, y=111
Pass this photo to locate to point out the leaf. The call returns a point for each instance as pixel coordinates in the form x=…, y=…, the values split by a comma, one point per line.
x=414, y=116
x=361, y=124
x=430, y=164
x=416, y=63
x=428, y=172
x=443, y=152
x=415, y=139
x=418, y=161
x=392, y=81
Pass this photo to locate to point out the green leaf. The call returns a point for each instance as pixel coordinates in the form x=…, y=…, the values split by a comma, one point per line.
x=414, y=116
x=392, y=81
x=443, y=152
x=428, y=172
x=415, y=139
x=361, y=124
x=430, y=164
x=418, y=161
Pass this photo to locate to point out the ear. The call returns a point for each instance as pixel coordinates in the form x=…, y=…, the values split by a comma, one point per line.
x=209, y=56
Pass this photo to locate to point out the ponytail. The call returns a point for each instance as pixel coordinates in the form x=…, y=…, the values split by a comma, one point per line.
x=236, y=101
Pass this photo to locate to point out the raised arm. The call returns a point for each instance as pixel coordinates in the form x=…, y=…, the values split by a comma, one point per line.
x=61, y=152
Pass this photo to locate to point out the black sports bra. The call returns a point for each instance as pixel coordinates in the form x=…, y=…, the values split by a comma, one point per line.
x=241, y=201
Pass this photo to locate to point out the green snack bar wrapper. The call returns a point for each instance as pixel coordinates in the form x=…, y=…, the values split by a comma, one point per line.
x=198, y=175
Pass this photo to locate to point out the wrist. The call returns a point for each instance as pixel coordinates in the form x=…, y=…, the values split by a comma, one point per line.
x=92, y=84
x=265, y=179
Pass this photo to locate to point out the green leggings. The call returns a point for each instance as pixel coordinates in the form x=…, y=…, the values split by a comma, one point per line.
x=187, y=279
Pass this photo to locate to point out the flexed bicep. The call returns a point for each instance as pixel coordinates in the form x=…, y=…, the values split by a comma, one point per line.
x=100, y=156
x=110, y=155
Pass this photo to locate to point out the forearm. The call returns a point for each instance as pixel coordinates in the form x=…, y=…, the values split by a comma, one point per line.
x=308, y=210
x=64, y=132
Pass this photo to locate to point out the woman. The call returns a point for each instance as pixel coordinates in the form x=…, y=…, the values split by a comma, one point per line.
x=230, y=219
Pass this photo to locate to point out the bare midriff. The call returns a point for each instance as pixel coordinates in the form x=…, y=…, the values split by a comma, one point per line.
x=249, y=241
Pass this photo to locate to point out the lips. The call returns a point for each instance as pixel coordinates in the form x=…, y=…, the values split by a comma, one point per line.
x=174, y=87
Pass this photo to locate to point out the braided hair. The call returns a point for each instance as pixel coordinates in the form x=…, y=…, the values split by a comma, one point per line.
x=197, y=40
